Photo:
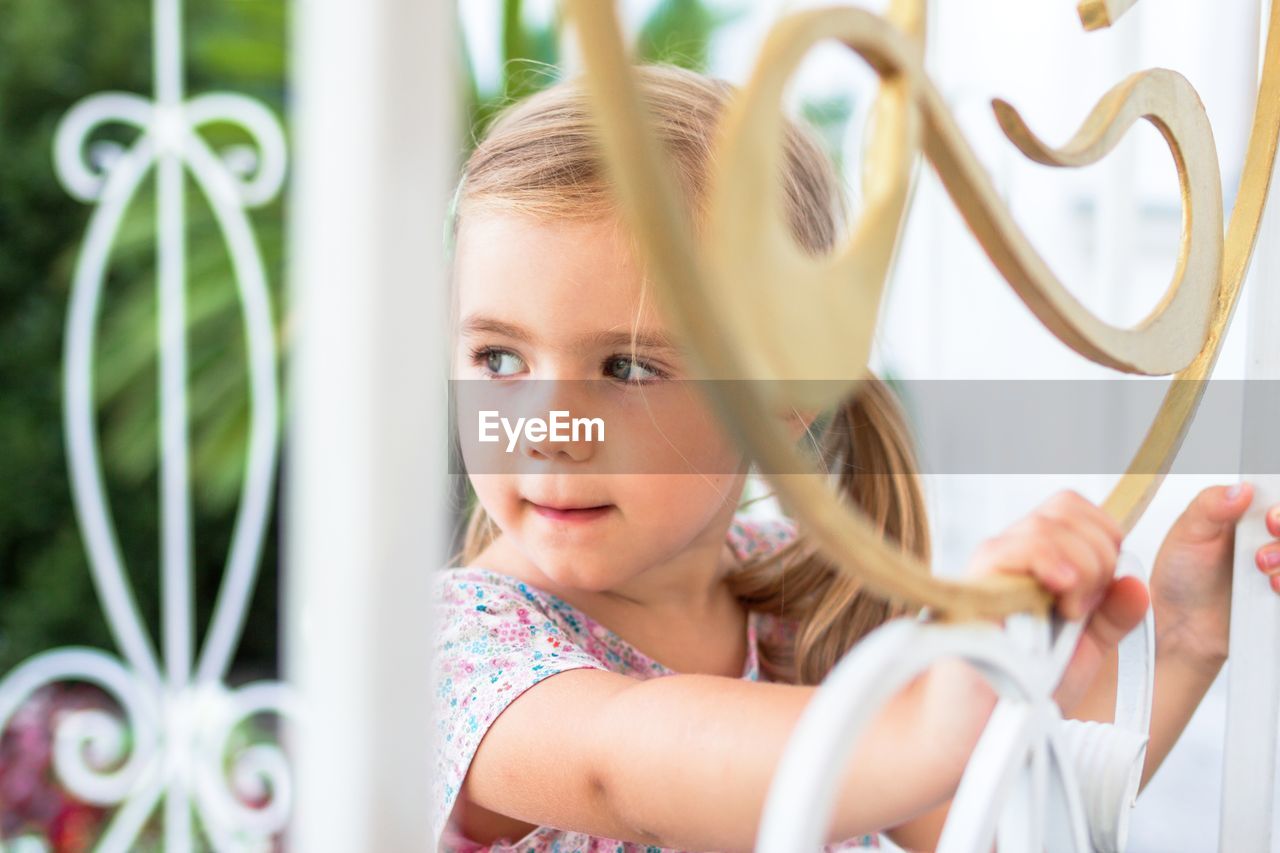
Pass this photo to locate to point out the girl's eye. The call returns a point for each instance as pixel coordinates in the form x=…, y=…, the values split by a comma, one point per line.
x=500, y=362
x=631, y=371
x=493, y=360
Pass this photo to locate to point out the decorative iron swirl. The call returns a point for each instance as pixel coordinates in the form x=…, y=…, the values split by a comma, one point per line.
x=179, y=717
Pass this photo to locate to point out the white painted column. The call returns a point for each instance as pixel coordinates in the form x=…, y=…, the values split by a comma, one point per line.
x=376, y=140
x=1253, y=682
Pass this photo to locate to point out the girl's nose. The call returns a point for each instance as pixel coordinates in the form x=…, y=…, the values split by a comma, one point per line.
x=547, y=449
x=564, y=429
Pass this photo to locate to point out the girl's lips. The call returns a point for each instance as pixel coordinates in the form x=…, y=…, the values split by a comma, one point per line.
x=590, y=514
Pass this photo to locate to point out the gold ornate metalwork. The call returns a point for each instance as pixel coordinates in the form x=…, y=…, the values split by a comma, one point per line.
x=1098, y=14
x=820, y=326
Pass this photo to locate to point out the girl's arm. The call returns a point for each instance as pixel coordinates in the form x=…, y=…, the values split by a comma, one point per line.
x=686, y=761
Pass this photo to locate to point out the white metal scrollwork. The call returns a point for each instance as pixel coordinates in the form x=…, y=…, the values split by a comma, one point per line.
x=1034, y=781
x=178, y=713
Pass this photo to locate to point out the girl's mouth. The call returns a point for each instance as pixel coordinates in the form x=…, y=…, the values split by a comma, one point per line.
x=581, y=514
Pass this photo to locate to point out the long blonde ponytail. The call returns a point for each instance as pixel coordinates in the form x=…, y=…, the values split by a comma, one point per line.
x=868, y=455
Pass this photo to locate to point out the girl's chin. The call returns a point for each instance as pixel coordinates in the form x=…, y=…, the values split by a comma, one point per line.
x=566, y=570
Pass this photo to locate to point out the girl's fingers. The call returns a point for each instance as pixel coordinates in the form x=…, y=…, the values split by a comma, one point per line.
x=1076, y=534
x=1015, y=553
x=1071, y=503
x=1061, y=577
x=1085, y=524
x=1268, y=558
x=1122, y=608
x=1060, y=559
x=1105, y=551
x=1070, y=545
x=1066, y=567
x=1094, y=574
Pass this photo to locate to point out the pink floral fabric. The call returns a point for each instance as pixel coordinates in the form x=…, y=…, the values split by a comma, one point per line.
x=498, y=636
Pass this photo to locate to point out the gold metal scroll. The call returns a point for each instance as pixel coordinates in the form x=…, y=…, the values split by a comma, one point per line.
x=783, y=315
x=1097, y=14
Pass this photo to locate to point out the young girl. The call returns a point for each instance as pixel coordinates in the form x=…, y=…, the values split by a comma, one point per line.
x=686, y=635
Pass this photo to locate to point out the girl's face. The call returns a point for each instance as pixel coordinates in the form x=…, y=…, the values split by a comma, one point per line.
x=561, y=301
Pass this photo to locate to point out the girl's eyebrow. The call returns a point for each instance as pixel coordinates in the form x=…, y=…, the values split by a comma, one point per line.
x=480, y=324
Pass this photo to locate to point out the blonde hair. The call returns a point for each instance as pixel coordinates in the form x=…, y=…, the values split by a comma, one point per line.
x=541, y=158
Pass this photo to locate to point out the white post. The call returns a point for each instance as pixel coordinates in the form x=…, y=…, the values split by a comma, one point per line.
x=376, y=143
x=1253, y=684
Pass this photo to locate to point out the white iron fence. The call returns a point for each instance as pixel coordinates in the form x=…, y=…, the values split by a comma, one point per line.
x=376, y=128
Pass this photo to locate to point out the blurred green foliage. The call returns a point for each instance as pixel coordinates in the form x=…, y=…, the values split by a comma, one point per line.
x=675, y=31
x=52, y=54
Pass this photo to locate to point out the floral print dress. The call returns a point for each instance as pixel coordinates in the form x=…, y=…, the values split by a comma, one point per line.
x=498, y=636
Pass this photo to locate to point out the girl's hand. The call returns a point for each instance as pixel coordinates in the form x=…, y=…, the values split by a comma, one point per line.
x=1068, y=543
x=1191, y=578
x=1071, y=546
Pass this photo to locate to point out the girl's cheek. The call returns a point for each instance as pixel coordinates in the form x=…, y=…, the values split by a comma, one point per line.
x=492, y=494
x=673, y=437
